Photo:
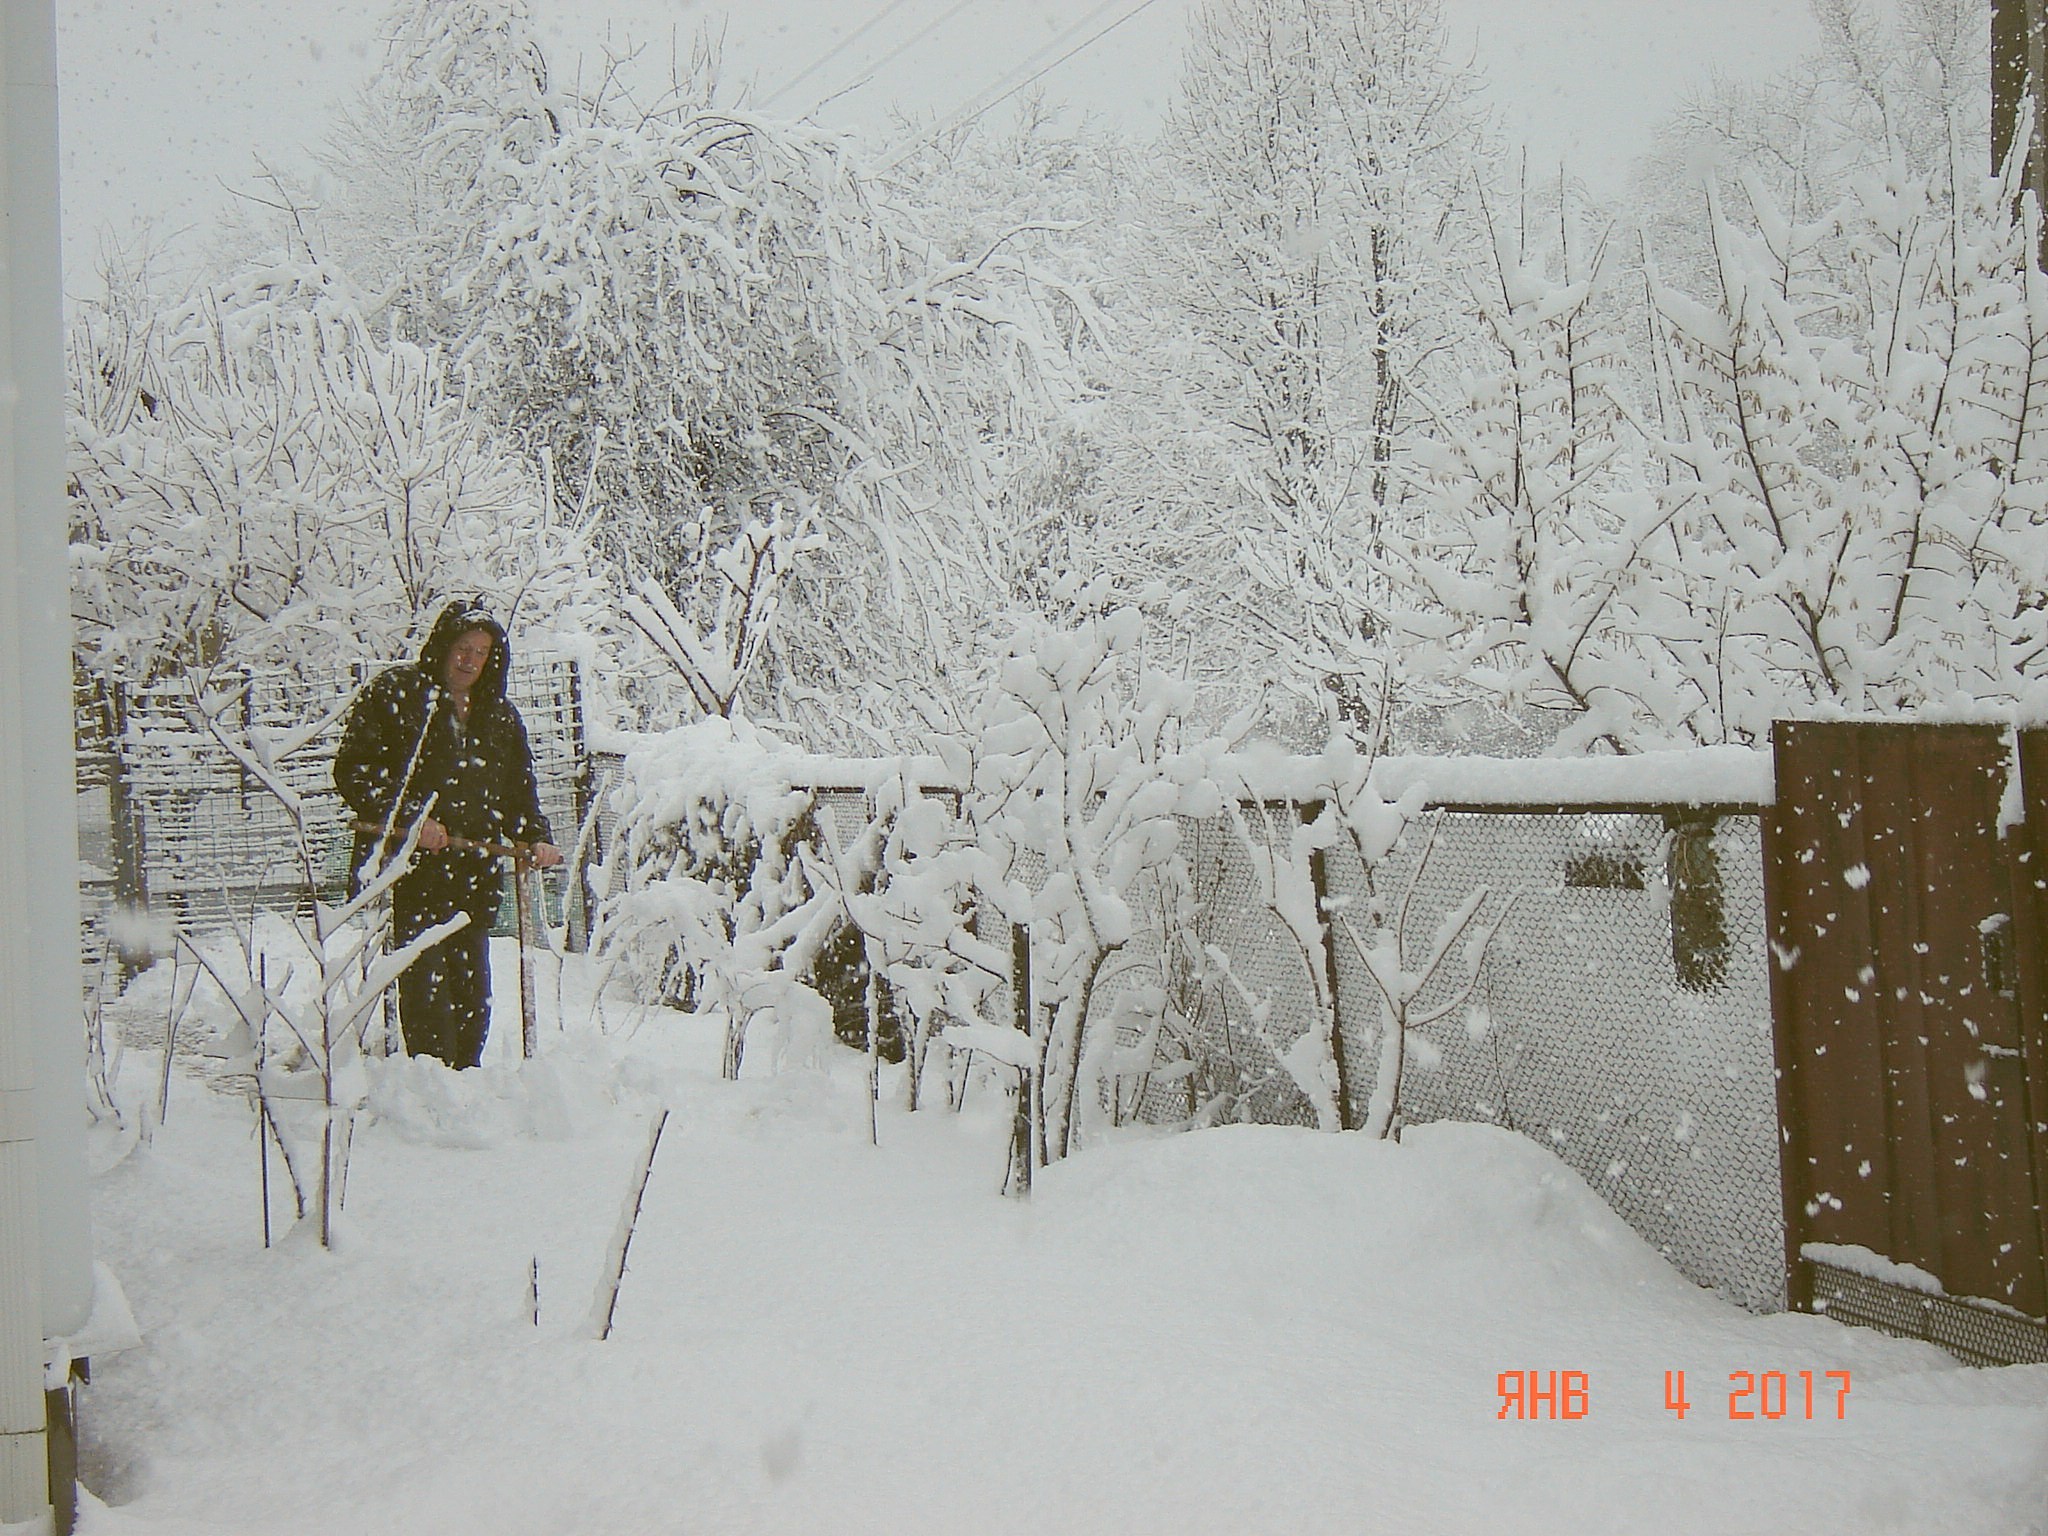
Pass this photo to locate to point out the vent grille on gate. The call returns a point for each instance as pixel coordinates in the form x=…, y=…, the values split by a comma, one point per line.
x=1974, y=1334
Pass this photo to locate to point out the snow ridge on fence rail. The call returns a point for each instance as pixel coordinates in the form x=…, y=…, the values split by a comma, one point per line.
x=1623, y=1013
x=1723, y=776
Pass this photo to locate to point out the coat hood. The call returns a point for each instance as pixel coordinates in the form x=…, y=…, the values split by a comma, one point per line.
x=455, y=621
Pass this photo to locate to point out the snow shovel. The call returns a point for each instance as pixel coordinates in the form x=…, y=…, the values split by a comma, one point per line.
x=514, y=851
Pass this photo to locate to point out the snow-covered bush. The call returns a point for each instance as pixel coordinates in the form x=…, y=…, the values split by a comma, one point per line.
x=1079, y=772
x=305, y=1008
x=710, y=907
x=916, y=918
x=716, y=637
x=731, y=893
x=1288, y=815
x=1282, y=850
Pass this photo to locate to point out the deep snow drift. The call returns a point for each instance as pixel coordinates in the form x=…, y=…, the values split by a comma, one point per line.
x=1240, y=1330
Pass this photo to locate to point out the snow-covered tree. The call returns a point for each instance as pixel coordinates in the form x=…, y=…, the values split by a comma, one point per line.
x=1078, y=775
x=1543, y=573
x=915, y=916
x=416, y=166
x=1298, y=294
x=1817, y=486
x=1905, y=84
x=1054, y=198
x=260, y=477
x=1851, y=434
x=692, y=306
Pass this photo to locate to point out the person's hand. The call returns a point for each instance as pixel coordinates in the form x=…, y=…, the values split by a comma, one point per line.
x=544, y=855
x=433, y=836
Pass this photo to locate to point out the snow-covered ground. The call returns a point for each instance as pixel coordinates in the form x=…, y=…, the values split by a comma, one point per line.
x=1241, y=1330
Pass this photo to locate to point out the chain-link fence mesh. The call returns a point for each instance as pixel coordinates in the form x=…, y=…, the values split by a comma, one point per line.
x=1973, y=1333
x=1622, y=1015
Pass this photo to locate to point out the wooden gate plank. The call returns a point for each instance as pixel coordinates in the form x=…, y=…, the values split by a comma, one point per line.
x=2027, y=866
x=1903, y=1091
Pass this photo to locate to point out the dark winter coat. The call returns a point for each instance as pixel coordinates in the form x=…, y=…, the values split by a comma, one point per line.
x=402, y=744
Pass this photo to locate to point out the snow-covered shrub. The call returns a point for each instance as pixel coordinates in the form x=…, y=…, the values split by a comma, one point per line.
x=1079, y=772
x=1416, y=986
x=1282, y=850
x=1169, y=1019
x=731, y=893
x=304, y=1007
x=916, y=920
x=711, y=907
x=716, y=637
x=1288, y=814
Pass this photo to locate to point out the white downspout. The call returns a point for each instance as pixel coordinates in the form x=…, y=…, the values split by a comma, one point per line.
x=45, y=1230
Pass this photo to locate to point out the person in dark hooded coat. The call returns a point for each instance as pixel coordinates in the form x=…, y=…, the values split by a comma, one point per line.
x=438, y=742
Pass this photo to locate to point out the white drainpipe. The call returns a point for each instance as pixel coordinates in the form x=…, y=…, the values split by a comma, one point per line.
x=45, y=1229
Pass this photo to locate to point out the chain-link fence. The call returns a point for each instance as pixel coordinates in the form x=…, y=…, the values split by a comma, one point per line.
x=1621, y=1017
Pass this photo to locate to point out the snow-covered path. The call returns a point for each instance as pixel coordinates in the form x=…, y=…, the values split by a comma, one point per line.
x=1248, y=1329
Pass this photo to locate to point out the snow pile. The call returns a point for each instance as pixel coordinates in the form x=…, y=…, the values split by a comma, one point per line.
x=424, y=1100
x=1250, y=1328
x=1858, y=1260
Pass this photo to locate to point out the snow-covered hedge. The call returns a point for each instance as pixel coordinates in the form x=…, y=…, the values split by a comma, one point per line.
x=1024, y=893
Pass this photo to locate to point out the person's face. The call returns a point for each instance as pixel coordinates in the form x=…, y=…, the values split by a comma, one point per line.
x=466, y=660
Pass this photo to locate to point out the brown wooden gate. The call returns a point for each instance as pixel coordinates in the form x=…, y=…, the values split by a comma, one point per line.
x=1908, y=999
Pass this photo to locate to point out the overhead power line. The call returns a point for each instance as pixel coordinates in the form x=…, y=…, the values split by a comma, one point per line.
x=968, y=111
x=834, y=51
x=1037, y=55
x=896, y=53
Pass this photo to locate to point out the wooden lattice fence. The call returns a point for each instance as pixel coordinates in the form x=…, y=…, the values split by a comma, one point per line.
x=172, y=827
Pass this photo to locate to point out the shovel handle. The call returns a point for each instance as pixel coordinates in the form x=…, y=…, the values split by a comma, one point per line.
x=519, y=853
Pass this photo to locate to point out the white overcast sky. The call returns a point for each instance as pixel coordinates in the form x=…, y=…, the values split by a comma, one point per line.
x=166, y=104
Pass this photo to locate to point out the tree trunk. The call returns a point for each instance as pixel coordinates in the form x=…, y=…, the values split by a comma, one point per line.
x=1017, y=1181
x=1319, y=881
